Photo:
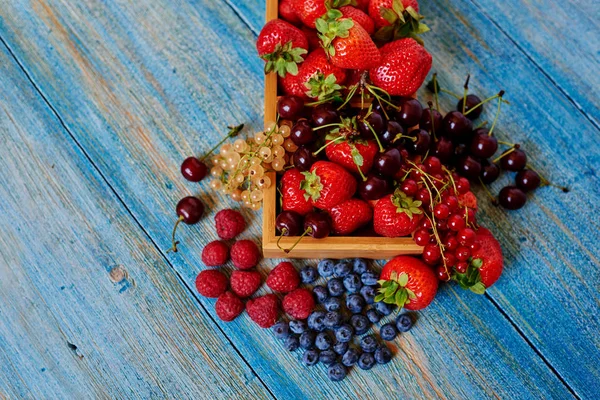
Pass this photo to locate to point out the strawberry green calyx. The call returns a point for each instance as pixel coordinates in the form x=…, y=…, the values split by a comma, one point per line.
x=404, y=22
x=406, y=204
x=324, y=88
x=471, y=279
x=332, y=26
x=394, y=290
x=284, y=59
x=311, y=185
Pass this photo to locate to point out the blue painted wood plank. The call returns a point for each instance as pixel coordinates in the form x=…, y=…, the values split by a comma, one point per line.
x=88, y=307
x=143, y=96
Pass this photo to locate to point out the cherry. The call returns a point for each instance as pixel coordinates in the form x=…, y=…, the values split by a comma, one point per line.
x=422, y=237
x=324, y=114
x=489, y=172
x=375, y=120
x=483, y=145
x=457, y=127
x=390, y=132
x=462, y=253
x=472, y=101
x=289, y=223
x=424, y=196
x=409, y=187
x=302, y=133
x=461, y=267
x=512, y=198
x=193, y=169
x=410, y=112
x=443, y=148
x=431, y=121
x=374, y=188
x=421, y=144
x=303, y=158
x=466, y=236
x=388, y=163
x=463, y=185
x=317, y=224
x=441, y=211
x=468, y=167
x=456, y=222
x=189, y=209
x=431, y=254
x=290, y=107
x=528, y=180
x=433, y=164
x=441, y=274
x=514, y=161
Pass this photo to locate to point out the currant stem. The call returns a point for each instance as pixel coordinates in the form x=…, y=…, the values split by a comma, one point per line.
x=175, y=243
x=307, y=231
x=233, y=131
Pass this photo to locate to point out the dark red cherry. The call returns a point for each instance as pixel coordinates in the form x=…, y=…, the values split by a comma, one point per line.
x=431, y=121
x=421, y=144
x=489, y=172
x=324, y=114
x=390, y=132
x=468, y=167
x=374, y=119
x=317, y=224
x=457, y=127
x=193, y=169
x=303, y=158
x=443, y=148
x=290, y=107
x=388, y=163
x=528, y=180
x=409, y=112
x=472, y=101
x=302, y=133
x=512, y=198
x=514, y=161
x=190, y=210
x=483, y=145
x=374, y=188
x=289, y=223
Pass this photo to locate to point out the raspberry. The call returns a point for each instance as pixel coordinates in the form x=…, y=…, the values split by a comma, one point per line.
x=215, y=254
x=264, y=310
x=299, y=303
x=244, y=254
x=229, y=223
x=283, y=278
x=228, y=306
x=245, y=283
x=211, y=283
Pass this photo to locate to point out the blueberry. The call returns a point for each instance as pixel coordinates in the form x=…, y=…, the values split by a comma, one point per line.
x=333, y=304
x=404, y=323
x=366, y=361
x=307, y=340
x=383, y=308
x=344, y=333
x=336, y=372
x=321, y=293
x=341, y=347
x=369, y=278
x=308, y=274
x=352, y=283
x=281, y=330
x=360, y=323
x=355, y=303
x=297, y=326
x=342, y=268
x=383, y=355
x=292, y=342
x=327, y=357
x=332, y=319
x=336, y=287
x=359, y=266
x=373, y=315
x=368, y=343
x=368, y=293
x=315, y=320
x=323, y=341
x=310, y=357
x=388, y=332
x=350, y=357
x=325, y=268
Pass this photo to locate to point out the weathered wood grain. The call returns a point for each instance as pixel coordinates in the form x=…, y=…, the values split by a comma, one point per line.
x=148, y=77
x=88, y=307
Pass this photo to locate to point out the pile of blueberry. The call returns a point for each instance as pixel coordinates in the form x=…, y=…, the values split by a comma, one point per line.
x=335, y=332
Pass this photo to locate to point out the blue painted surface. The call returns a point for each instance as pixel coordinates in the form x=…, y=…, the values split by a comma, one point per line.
x=115, y=95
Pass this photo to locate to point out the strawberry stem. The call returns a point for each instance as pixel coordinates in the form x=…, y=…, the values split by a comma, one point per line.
x=337, y=139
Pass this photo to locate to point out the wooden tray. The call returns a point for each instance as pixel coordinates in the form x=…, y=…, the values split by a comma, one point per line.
x=331, y=247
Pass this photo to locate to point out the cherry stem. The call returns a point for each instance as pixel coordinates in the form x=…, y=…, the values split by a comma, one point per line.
x=435, y=92
x=328, y=126
x=350, y=96
x=337, y=139
x=175, y=243
x=450, y=93
x=400, y=136
x=465, y=90
x=546, y=182
x=490, y=195
x=233, y=131
x=481, y=125
x=381, y=149
x=497, y=112
x=284, y=232
x=372, y=89
x=506, y=143
x=430, y=104
x=307, y=231
x=507, y=152
x=499, y=94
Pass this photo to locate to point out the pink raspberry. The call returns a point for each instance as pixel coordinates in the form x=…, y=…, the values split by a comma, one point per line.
x=245, y=254
x=299, y=303
x=215, y=254
x=264, y=310
x=211, y=283
x=229, y=223
x=228, y=306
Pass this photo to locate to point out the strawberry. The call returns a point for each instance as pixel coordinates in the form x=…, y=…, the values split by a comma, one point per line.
x=346, y=42
x=282, y=46
x=396, y=19
x=359, y=17
x=363, y=5
x=264, y=310
x=245, y=283
x=349, y=216
x=469, y=200
x=309, y=10
x=228, y=306
x=293, y=197
x=287, y=12
x=283, y=278
x=352, y=154
x=407, y=282
x=403, y=68
x=299, y=303
x=312, y=36
x=485, y=266
x=328, y=184
x=396, y=215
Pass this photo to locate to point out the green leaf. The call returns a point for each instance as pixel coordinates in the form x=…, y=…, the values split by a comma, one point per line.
x=477, y=263
x=391, y=289
x=413, y=13
x=422, y=28
x=394, y=276
x=403, y=279
x=379, y=297
x=388, y=15
x=401, y=298
x=382, y=281
x=478, y=288
x=384, y=34
x=357, y=157
x=411, y=294
x=292, y=68
x=321, y=25
x=398, y=7
x=389, y=300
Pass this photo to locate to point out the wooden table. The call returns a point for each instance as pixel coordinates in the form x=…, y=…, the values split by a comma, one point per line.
x=100, y=102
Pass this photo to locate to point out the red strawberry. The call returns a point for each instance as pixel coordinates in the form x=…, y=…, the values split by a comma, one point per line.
x=362, y=5
x=299, y=303
x=211, y=283
x=346, y=42
x=359, y=17
x=282, y=46
x=328, y=184
x=468, y=199
x=351, y=154
x=396, y=215
x=309, y=10
x=312, y=36
x=294, y=198
x=264, y=310
x=350, y=215
x=416, y=284
x=245, y=283
x=405, y=64
x=375, y=11
x=283, y=278
x=228, y=306
x=287, y=12
x=486, y=264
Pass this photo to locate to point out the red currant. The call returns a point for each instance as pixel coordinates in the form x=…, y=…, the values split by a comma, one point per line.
x=431, y=254
x=434, y=165
x=422, y=237
x=438, y=180
x=463, y=185
x=441, y=225
x=450, y=259
x=452, y=202
x=441, y=211
x=466, y=236
x=462, y=253
x=474, y=246
x=426, y=224
x=451, y=243
x=442, y=274
x=456, y=222
x=424, y=196
x=461, y=267
x=409, y=187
